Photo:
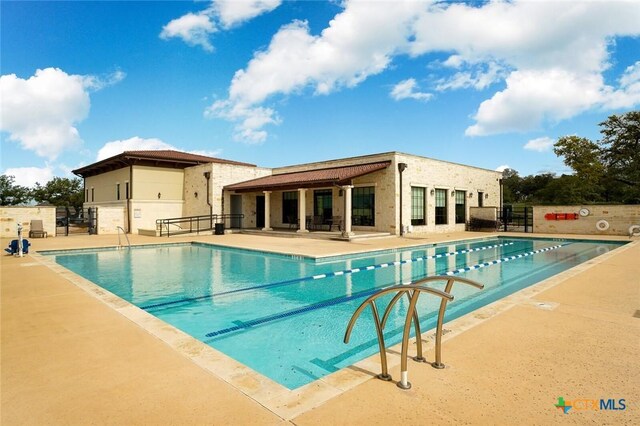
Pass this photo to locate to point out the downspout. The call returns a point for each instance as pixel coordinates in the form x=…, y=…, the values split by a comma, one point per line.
x=207, y=176
x=401, y=168
x=129, y=196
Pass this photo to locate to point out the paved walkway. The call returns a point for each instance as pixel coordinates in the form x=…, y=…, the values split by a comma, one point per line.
x=68, y=358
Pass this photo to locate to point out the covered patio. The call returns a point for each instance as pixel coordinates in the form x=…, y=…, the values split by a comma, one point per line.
x=327, y=211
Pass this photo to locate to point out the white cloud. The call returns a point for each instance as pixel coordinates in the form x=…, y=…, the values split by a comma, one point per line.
x=540, y=144
x=532, y=97
x=553, y=47
x=28, y=176
x=42, y=111
x=137, y=143
x=193, y=28
x=502, y=168
x=233, y=12
x=407, y=89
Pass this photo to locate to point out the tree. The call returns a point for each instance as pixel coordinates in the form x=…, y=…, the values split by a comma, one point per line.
x=511, y=186
x=12, y=194
x=60, y=192
x=608, y=169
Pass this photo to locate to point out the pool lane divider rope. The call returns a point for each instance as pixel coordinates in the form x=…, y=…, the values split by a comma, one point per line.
x=326, y=275
x=242, y=325
x=503, y=260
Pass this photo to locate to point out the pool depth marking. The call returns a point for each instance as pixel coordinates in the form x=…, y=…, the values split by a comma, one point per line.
x=326, y=275
x=241, y=325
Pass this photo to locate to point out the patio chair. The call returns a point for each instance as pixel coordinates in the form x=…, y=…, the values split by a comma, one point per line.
x=36, y=229
x=336, y=221
x=317, y=222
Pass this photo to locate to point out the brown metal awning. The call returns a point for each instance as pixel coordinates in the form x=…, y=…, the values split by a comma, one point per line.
x=308, y=179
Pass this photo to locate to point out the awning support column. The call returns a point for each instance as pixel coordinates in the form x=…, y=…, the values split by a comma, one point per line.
x=347, y=211
x=267, y=211
x=302, y=210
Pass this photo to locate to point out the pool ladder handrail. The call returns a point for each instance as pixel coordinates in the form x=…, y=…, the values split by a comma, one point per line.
x=120, y=228
x=412, y=291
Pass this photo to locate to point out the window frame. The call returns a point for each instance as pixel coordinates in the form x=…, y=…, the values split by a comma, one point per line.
x=442, y=217
x=416, y=209
x=360, y=197
x=460, y=209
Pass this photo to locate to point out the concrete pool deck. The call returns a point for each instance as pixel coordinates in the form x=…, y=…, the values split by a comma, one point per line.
x=69, y=358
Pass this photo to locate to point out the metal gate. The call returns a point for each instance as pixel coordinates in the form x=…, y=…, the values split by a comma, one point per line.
x=515, y=219
x=70, y=221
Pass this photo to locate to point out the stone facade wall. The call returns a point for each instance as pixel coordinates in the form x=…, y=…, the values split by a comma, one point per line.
x=109, y=218
x=11, y=216
x=619, y=218
x=221, y=175
x=422, y=172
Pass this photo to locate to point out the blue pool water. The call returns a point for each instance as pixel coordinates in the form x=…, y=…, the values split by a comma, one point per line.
x=285, y=316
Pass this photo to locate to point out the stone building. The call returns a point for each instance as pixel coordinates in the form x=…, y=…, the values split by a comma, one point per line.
x=389, y=192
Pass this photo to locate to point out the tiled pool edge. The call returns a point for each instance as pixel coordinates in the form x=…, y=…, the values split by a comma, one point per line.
x=290, y=403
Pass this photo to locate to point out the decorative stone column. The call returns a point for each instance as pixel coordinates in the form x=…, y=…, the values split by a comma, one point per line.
x=267, y=211
x=347, y=211
x=302, y=210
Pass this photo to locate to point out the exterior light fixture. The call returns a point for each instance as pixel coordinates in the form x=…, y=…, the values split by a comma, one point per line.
x=432, y=192
x=195, y=194
x=159, y=195
x=470, y=194
x=453, y=193
x=486, y=195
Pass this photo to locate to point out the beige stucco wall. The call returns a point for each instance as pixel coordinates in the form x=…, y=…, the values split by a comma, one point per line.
x=149, y=181
x=145, y=213
x=10, y=217
x=620, y=218
x=104, y=186
x=109, y=218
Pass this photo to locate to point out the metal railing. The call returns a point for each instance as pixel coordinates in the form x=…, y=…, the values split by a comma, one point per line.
x=412, y=291
x=120, y=228
x=197, y=224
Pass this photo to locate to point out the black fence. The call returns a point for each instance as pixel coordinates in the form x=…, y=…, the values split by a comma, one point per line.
x=197, y=224
x=71, y=221
x=515, y=219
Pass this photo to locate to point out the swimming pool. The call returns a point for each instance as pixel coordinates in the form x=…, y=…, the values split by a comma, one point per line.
x=285, y=316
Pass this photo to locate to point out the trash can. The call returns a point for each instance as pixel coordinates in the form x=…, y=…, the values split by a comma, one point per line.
x=219, y=229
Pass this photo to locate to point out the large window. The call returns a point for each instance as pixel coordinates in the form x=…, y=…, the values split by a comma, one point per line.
x=363, y=202
x=480, y=198
x=461, y=206
x=290, y=207
x=417, y=206
x=117, y=191
x=441, y=206
x=323, y=203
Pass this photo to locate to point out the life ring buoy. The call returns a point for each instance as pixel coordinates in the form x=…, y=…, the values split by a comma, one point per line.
x=634, y=231
x=602, y=225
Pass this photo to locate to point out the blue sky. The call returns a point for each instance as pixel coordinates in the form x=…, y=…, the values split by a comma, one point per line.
x=490, y=84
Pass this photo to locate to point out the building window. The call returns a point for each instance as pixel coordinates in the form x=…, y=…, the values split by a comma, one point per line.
x=290, y=207
x=461, y=206
x=323, y=203
x=480, y=199
x=441, y=206
x=117, y=191
x=92, y=194
x=86, y=195
x=417, y=206
x=363, y=202
x=126, y=190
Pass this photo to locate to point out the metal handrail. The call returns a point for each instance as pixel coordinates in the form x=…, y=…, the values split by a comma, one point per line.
x=412, y=291
x=209, y=222
x=119, y=228
x=415, y=290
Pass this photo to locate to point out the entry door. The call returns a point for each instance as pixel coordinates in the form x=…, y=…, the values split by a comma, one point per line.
x=260, y=211
x=323, y=203
x=236, y=209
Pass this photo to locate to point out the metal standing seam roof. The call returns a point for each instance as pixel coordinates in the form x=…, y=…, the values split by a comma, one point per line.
x=160, y=158
x=309, y=179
